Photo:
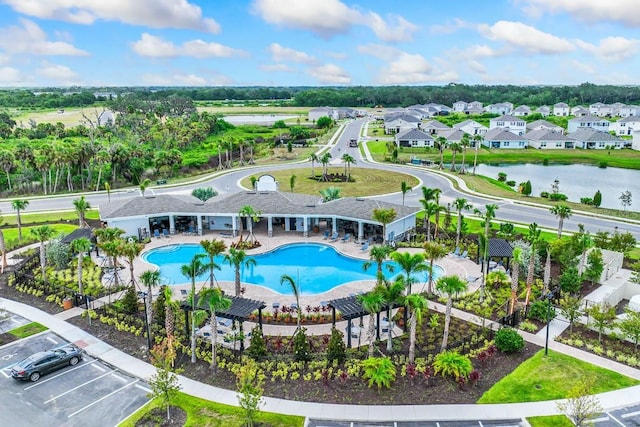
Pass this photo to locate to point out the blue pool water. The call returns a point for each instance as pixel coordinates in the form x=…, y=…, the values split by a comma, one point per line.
x=316, y=268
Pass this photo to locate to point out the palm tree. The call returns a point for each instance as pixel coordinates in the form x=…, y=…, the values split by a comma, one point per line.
x=130, y=250
x=460, y=203
x=42, y=234
x=442, y=144
x=546, y=280
x=489, y=214
x=393, y=293
x=215, y=299
x=372, y=303
x=430, y=209
x=80, y=246
x=404, y=188
x=516, y=259
x=144, y=185
x=378, y=254
x=252, y=215
x=433, y=252
x=416, y=304
x=213, y=248
x=285, y=279
x=237, y=258
x=410, y=265
x=561, y=212
x=455, y=147
x=477, y=139
x=313, y=158
x=533, y=238
x=449, y=285
x=348, y=160
x=325, y=159
x=150, y=279
x=331, y=193
x=81, y=206
x=464, y=143
x=191, y=271
x=3, y=250
x=428, y=195
x=109, y=241
x=384, y=216
x=19, y=205
x=292, y=182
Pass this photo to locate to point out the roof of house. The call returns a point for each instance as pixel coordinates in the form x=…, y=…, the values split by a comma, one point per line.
x=506, y=118
x=523, y=108
x=468, y=122
x=435, y=124
x=541, y=122
x=401, y=116
x=414, y=134
x=543, y=108
x=546, y=135
x=560, y=105
x=630, y=119
x=502, y=134
x=585, y=134
x=588, y=117
x=452, y=134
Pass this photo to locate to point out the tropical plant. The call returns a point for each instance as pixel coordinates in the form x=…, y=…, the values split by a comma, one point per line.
x=393, y=293
x=477, y=139
x=216, y=301
x=81, y=207
x=508, y=340
x=449, y=285
x=257, y=349
x=516, y=259
x=488, y=215
x=533, y=238
x=130, y=249
x=150, y=279
x=336, y=349
x=204, y=193
x=237, y=258
x=324, y=160
x=42, y=234
x=292, y=182
x=602, y=316
x=19, y=205
x=313, y=159
x=380, y=371
x=379, y=254
x=348, y=160
x=372, y=303
x=561, y=212
x=404, y=189
x=249, y=382
x=410, y=265
x=433, y=252
x=213, y=248
x=452, y=364
x=460, y=203
x=384, y=216
x=331, y=193
x=80, y=246
x=252, y=216
x=416, y=304
x=570, y=308
x=285, y=279
x=191, y=271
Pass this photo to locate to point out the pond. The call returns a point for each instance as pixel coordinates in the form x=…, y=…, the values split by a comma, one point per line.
x=258, y=119
x=576, y=181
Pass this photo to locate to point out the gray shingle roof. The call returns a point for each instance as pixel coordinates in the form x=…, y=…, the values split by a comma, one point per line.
x=592, y=135
x=587, y=118
x=541, y=122
x=414, y=134
x=507, y=118
x=501, y=134
x=546, y=135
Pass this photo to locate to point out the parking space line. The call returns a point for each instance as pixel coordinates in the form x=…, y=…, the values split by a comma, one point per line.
x=59, y=375
x=52, y=340
x=630, y=414
x=99, y=368
x=76, y=387
x=4, y=373
x=143, y=388
x=118, y=377
x=95, y=402
x=614, y=419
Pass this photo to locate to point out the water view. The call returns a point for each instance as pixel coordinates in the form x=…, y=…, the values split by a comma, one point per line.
x=576, y=181
x=257, y=119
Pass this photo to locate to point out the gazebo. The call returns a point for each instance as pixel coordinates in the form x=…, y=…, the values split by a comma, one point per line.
x=498, y=249
x=240, y=310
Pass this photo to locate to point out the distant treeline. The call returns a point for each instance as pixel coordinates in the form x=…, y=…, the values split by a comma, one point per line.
x=362, y=96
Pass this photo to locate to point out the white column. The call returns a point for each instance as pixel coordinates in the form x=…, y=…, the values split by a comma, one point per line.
x=172, y=225
x=305, y=226
x=287, y=223
x=234, y=225
x=360, y=230
x=269, y=226
x=199, y=225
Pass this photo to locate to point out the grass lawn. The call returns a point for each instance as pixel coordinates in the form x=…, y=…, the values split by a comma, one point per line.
x=11, y=234
x=46, y=218
x=203, y=413
x=27, y=330
x=551, y=377
x=368, y=182
x=550, y=421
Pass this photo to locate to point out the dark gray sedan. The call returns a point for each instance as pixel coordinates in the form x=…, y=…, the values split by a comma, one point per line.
x=38, y=364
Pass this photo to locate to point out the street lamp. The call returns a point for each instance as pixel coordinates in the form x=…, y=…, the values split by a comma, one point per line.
x=548, y=296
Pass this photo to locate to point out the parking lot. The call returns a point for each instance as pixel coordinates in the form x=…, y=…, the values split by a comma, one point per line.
x=628, y=416
x=90, y=393
x=474, y=423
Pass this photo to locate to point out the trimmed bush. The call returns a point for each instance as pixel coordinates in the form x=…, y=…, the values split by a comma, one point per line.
x=336, y=349
x=538, y=310
x=257, y=349
x=452, y=364
x=301, y=347
x=508, y=340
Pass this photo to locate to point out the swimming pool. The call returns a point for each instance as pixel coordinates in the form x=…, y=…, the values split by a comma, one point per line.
x=316, y=268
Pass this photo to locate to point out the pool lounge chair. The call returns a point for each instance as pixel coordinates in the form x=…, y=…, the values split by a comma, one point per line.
x=346, y=237
x=456, y=252
x=365, y=247
x=326, y=235
x=334, y=237
x=156, y=233
x=165, y=233
x=463, y=254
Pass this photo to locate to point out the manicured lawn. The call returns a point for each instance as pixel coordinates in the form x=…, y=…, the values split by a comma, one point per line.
x=367, y=182
x=27, y=330
x=11, y=234
x=203, y=413
x=27, y=218
x=550, y=421
x=551, y=377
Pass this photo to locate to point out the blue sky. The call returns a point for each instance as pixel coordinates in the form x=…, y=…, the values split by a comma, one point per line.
x=317, y=42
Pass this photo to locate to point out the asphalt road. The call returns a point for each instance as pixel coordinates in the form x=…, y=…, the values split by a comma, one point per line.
x=90, y=393
x=229, y=182
x=478, y=423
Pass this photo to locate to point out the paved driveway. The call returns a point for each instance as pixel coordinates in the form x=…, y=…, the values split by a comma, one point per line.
x=479, y=423
x=88, y=394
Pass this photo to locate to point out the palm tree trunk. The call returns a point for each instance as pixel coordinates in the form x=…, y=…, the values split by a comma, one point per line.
x=532, y=264
x=389, y=330
x=193, y=320
x=458, y=228
x=238, y=280
x=80, y=259
x=3, y=249
x=447, y=320
x=430, y=285
x=412, y=337
x=149, y=302
x=214, y=340
x=371, y=333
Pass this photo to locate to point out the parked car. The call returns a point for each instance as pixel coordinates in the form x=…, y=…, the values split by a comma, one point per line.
x=41, y=363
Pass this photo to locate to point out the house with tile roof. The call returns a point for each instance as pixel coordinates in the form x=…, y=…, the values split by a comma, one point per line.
x=579, y=111
x=503, y=138
x=434, y=127
x=499, y=108
x=544, y=110
x=522, y=110
x=545, y=139
x=414, y=138
x=400, y=122
x=593, y=139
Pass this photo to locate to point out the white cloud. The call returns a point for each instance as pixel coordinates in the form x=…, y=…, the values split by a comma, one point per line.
x=330, y=74
x=450, y=27
x=396, y=30
x=328, y=18
x=525, y=37
x=284, y=54
x=185, y=79
x=622, y=11
x=583, y=67
x=479, y=51
x=150, y=13
x=10, y=76
x=31, y=39
x=612, y=48
x=153, y=46
x=476, y=66
x=58, y=73
x=277, y=68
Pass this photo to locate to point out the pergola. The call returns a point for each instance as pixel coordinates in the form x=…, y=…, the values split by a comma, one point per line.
x=351, y=308
x=240, y=310
x=498, y=249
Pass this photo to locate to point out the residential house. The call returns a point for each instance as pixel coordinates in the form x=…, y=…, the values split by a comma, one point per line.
x=500, y=108
x=514, y=124
x=588, y=121
x=544, y=124
x=433, y=127
x=592, y=139
x=594, y=109
x=629, y=110
x=471, y=127
x=472, y=109
x=544, y=110
x=475, y=104
x=579, y=111
x=316, y=113
x=548, y=140
x=635, y=142
x=521, y=111
x=414, y=138
x=615, y=108
x=398, y=123
x=453, y=136
x=503, y=138
x=459, y=106
x=561, y=109
x=626, y=126
x=346, y=113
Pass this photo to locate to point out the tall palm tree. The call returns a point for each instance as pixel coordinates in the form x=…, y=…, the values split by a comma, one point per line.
x=464, y=143
x=460, y=203
x=416, y=304
x=313, y=158
x=285, y=279
x=393, y=293
x=561, y=212
x=433, y=252
x=378, y=254
x=252, y=216
x=428, y=195
x=325, y=159
x=477, y=139
x=372, y=303
x=109, y=240
x=292, y=182
x=3, y=250
x=430, y=209
x=442, y=144
x=449, y=285
x=237, y=258
x=191, y=271
x=81, y=207
x=404, y=188
x=532, y=238
x=488, y=215
x=516, y=259
x=455, y=147
x=80, y=246
x=410, y=265
x=215, y=299
x=384, y=216
x=150, y=279
x=130, y=250
x=546, y=280
x=213, y=248
x=43, y=234
x=19, y=205
x=348, y=160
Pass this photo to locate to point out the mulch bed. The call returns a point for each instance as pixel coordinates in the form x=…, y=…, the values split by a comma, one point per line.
x=13, y=294
x=157, y=417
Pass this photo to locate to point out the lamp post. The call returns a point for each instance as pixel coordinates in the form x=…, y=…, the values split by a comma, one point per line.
x=546, y=342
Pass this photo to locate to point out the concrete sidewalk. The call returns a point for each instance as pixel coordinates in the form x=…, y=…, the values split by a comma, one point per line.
x=143, y=370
